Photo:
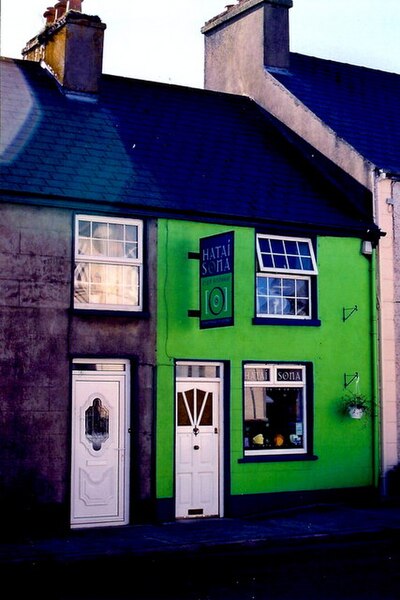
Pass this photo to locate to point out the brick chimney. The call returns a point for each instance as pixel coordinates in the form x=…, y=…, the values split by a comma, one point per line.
x=249, y=36
x=70, y=47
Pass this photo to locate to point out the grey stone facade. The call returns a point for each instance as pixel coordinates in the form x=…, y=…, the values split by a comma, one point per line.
x=40, y=335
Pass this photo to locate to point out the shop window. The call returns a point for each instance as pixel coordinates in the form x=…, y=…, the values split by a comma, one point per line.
x=108, y=263
x=286, y=278
x=277, y=410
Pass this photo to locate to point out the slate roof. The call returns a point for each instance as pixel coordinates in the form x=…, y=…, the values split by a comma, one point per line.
x=360, y=104
x=163, y=149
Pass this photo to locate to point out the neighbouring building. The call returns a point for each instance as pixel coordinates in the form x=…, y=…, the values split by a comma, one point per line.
x=349, y=114
x=187, y=291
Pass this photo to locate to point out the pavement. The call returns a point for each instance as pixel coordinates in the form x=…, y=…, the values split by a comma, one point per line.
x=316, y=524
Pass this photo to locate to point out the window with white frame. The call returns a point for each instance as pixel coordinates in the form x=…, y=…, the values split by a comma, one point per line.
x=275, y=409
x=108, y=263
x=285, y=276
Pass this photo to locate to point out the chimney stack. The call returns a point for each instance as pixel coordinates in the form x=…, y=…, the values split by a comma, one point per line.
x=70, y=47
x=50, y=15
x=61, y=8
x=250, y=36
x=74, y=5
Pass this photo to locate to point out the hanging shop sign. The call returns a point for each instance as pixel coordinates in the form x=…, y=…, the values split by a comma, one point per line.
x=216, y=280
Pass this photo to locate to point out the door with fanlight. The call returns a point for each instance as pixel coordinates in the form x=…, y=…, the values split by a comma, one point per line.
x=100, y=443
x=197, y=449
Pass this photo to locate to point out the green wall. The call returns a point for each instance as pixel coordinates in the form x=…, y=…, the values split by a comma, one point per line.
x=346, y=448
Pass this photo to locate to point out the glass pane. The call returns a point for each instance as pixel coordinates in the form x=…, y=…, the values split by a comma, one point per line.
x=257, y=374
x=100, y=230
x=81, y=284
x=291, y=247
x=206, y=417
x=302, y=288
x=303, y=308
x=97, y=424
x=307, y=264
x=280, y=261
x=84, y=228
x=131, y=250
x=209, y=371
x=294, y=262
x=264, y=245
x=183, y=416
x=281, y=296
x=304, y=249
x=99, y=366
x=116, y=249
x=277, y=246
x=273, y=418
x=285, y=254
x=116, y=231
x=107, y=284
x=131, y=233
x=84, y=246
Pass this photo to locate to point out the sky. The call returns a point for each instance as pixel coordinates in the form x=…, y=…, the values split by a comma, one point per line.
x=160, y=40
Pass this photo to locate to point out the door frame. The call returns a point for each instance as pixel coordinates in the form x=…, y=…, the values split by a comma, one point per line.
x=220, y=381
x=126, y=426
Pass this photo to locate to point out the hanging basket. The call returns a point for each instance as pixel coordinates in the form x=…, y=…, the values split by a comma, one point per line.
x=356, y=412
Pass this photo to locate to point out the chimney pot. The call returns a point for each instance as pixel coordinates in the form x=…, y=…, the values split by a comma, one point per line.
x=49, y=15
x=60, y=9
x=74, y=5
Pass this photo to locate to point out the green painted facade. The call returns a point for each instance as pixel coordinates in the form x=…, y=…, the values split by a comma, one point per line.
x=346, y=449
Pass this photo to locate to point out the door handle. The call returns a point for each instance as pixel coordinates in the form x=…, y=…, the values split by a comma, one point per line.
x=196, y=447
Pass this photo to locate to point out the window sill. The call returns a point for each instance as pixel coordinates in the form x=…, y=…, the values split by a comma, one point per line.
x=298, y=322
x=111, y=313
x=278, y=458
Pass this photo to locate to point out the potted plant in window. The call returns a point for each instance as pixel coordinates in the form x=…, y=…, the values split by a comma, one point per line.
x=356, y=405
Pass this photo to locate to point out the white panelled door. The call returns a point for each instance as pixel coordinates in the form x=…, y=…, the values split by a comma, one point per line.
x=100, y=444
x=197, y=449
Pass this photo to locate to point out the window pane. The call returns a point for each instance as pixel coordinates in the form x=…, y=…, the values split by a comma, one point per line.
x=302, y=308
x=185, y=409
x=285, y=253
x=204, y=408
x=295, y=263
x=116, y=231
x=84, y=228
x=277, y=246
x=131, y=250
x=100, y=230
x=274, y=418
x=307, y=264
x=97, y=424
x=209, y=371
x=291, y=247
x=280, y=261
x=106, y=284
x=110, y=279
x=283, y=296
x=302, y=288
x=304, y=249
x=131, y=233
x=257, y=374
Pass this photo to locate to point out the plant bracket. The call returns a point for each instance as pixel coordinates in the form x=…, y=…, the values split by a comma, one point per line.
x=348, y=312
x=349, y=378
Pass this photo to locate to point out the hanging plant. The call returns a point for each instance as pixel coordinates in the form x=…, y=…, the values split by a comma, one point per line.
x=355, y=404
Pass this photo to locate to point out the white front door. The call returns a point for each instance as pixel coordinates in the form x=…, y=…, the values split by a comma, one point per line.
x=197, y=449
x=100, y=443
